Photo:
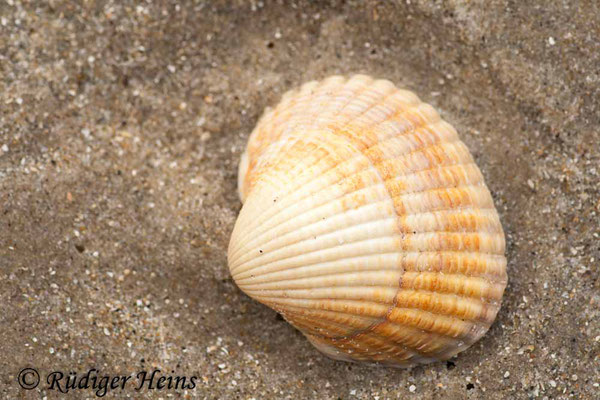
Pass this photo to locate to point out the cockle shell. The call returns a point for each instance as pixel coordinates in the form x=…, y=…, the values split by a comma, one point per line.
x=367, y=225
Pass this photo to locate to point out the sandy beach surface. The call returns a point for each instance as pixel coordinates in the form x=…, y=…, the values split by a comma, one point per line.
x=121, y=126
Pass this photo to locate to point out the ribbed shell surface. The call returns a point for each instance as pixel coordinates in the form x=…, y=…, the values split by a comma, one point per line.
x=367, y=225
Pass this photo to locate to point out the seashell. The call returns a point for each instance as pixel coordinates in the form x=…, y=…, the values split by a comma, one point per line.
x=367, y=225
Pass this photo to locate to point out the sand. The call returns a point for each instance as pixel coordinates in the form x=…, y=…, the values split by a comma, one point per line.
x=121, y=126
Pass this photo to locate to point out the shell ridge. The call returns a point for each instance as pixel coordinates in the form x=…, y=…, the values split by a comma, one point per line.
x=448, y=277
x=490, y=277
x=363, y=88
x=463, y=311
x=319, y=257
x=344, y=124
x=491, y=301
x=403, y=216
x=409, y=173
x=237, y=269
x=408, y=132
x=410, y=153
x=347, y=338
x=413, y=349
x=382, y=320
x=357, y=350
x=267, y=158
x=469, y=326
x=259, y=236
x=351, y=228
